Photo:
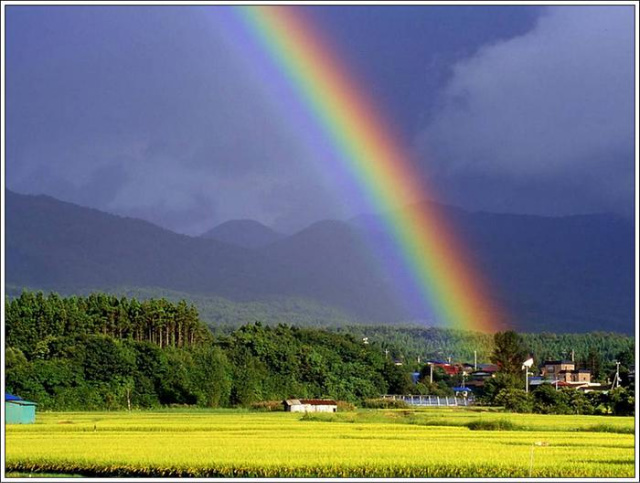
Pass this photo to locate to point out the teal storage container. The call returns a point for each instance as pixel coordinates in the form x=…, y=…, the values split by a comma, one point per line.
x=19, y=411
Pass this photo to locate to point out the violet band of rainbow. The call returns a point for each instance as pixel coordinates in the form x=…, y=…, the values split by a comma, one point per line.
x=438, y=260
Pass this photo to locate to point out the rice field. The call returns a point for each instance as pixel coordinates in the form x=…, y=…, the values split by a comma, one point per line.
x=441, y=443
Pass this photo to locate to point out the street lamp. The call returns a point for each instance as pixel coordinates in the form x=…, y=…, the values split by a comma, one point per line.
x=526, y=365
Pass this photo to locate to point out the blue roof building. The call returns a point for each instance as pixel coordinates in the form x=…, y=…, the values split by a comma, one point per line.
x=18, y=410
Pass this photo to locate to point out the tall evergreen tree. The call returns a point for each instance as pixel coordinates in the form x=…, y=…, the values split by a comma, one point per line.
x=508, y=352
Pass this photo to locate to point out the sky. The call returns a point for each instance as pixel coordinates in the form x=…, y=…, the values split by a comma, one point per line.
x=153, y=112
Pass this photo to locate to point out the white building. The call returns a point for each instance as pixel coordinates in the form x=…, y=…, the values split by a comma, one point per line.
x=310, y=405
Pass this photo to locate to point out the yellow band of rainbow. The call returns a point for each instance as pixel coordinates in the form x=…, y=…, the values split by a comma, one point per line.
x=439, y=262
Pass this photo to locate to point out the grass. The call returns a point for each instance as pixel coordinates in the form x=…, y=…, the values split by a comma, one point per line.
x=482, y=419
x=369, y=443
x=495, y=425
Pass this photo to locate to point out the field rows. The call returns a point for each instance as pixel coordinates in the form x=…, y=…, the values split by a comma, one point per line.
x=284, y=445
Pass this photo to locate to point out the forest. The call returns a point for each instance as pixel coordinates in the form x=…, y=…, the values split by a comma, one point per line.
x=108, y=352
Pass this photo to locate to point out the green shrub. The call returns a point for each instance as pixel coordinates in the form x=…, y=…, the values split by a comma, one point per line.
x=382, y=403
x=622, y=402
x=547, y=400
x=346, y=406
x=579, y=402
x=267, y=406
x=515, y=400
x=501, y=381
x=494, y=425
x=607, y=428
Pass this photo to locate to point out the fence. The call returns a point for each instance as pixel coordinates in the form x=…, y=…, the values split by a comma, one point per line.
x=431, y=400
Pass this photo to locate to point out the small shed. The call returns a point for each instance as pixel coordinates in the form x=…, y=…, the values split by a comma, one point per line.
x=19, y=411
x=310, y=405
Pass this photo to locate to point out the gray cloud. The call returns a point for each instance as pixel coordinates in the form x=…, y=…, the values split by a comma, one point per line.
x=150, y=112
x=542, y=122
x=147, y=113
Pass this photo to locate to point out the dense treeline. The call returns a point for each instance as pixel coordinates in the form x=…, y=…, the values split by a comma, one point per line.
x=107, y=352
x=104, y=351
x=596, y=351
x=505, y=389
x=406, y=342
x=32, y=318
x=217, y=311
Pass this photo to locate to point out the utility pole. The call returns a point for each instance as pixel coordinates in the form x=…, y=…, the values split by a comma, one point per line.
x=616, y=379
x=573, y=355
x=475, y=360
x=386, y=353
x=431, y=373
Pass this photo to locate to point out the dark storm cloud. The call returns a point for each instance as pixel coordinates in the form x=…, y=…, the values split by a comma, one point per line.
x=142, y=112
x=543, y=122
x=403, y=53
x=150, y=112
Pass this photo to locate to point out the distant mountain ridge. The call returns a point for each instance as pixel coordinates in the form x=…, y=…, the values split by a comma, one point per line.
x=243, y=233
x=569, y=274
x=51, y=244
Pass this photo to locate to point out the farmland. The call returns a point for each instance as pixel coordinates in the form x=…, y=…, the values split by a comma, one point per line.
x=375, y=443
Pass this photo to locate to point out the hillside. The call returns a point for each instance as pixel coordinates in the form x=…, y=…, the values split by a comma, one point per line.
x=566, y=274
x=330, y=261
x=56, y=245
x=243, y=233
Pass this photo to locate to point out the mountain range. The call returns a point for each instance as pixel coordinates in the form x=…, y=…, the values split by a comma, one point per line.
x=557, y=274
x=243, y=233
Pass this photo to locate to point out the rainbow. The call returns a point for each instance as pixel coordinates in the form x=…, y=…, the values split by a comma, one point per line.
x=383, y=170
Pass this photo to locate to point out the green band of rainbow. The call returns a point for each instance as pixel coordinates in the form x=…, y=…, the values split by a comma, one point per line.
x=385, y=172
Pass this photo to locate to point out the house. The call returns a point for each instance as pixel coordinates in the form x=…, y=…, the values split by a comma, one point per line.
x=19, y=411
x=490, y=368
x=565, y=371
x=310, y=405
x=449, y=369
x=551, y=369
x=580, y=375
x=537, y=381
x=478, y=378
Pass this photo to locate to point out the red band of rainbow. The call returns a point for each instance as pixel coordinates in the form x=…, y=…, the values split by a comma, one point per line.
x=439, y=262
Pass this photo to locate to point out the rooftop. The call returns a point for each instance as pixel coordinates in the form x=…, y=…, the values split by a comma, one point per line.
x=313, y=402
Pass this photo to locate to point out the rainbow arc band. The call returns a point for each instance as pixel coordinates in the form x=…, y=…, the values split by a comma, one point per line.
x=437, y=259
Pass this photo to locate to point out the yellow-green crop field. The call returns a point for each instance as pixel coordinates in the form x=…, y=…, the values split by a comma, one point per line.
x=440, y=443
